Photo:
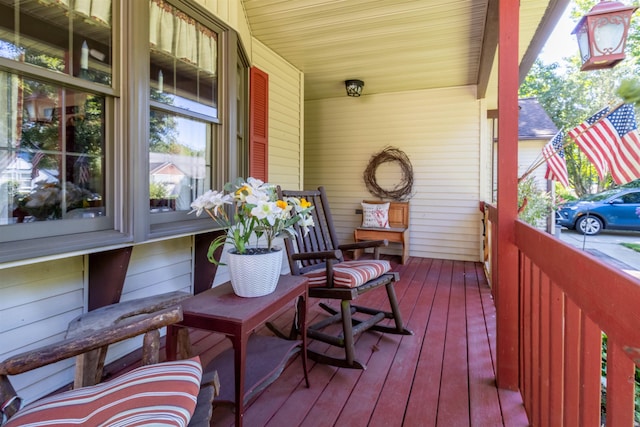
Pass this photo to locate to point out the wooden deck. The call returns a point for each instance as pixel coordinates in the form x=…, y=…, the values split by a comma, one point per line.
x=442, y=375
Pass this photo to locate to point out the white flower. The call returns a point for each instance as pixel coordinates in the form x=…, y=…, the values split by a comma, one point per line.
x=266, y=210
x=257, y=213
x=257, y=196
x=306, y=222
x=211, y=200
x=255, y=183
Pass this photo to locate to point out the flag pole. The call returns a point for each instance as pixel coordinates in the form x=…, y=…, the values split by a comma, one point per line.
x=536, y=164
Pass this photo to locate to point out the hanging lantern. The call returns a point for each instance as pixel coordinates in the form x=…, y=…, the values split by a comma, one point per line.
x=602, y=34
x=40, y=108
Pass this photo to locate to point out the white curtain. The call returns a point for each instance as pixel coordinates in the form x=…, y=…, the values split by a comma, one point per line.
x=82, y=7
x=154, y=23
x=174, y=33
x=186, y=39
x=166, y=29
x=207, y=50
x=64, y=3
x=101, y=11
x=94, y=10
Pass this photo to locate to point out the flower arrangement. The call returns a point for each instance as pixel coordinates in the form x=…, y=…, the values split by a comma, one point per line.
x=257, y=213
x=45, y=201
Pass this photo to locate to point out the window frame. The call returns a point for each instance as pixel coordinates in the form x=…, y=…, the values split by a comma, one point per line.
x=127, y=111
x=225, y=157
x=37, y=239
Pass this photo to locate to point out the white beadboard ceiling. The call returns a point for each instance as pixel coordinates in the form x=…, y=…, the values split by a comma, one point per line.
x=392, y=45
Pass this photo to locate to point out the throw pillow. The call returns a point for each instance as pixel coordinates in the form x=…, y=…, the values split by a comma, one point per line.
x=159, y=394
x=375, y=215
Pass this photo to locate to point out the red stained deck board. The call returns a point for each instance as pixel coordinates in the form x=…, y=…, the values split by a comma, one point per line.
x=369, y=388
x=397, y=387
x=344, y=380
x=423, y=402
x=410, y=380
x=453, y=405
x=484, y=404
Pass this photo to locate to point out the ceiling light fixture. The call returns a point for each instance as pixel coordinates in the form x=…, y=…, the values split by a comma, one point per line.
x=354, y=87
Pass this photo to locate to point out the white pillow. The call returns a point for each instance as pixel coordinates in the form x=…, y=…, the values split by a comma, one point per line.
x=375, y=215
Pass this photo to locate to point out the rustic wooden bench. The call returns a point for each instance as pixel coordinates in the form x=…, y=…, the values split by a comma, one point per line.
x=397, y=233
x=88, y=338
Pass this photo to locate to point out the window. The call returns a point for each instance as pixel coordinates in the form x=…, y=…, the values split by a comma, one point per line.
x=179, y=164
x=183, y=125
x=72, y=153
x=70, y=37
x=52, y=135
x=631, y=198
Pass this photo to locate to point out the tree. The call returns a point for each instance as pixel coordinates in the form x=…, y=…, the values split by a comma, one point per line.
x=570, y=96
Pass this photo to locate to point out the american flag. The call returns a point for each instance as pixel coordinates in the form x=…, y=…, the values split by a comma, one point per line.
x=553, y=153
x=616, y=141
x=589, y=144
x=83, y=169
x=35, y=160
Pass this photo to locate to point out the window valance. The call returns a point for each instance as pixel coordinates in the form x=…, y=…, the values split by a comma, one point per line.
x=173, y=33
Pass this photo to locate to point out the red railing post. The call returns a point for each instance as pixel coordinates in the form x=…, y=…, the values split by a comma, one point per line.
x=507, y=342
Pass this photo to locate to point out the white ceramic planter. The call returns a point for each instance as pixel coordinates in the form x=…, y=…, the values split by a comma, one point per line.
x=255, y=275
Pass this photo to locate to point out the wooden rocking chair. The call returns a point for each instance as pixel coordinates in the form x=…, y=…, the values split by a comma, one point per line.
x=318, y=256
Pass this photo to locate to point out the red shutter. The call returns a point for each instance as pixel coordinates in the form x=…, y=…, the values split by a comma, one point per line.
x=259, y=124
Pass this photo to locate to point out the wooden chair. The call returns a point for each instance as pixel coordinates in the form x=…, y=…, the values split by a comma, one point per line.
x=319, y=256
x=398, y=231
x=88, y=337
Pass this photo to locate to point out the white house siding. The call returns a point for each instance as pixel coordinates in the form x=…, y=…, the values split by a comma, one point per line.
x=232, y=13
x=37, y=302
x=439, y=130
x=529, y=154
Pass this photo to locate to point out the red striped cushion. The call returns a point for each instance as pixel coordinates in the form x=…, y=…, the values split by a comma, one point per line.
x=160, y=394
x=350, y=274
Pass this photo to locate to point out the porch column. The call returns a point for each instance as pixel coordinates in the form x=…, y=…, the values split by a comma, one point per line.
x=507, y=262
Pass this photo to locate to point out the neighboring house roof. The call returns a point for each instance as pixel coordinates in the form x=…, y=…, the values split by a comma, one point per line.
x=165, y=168
x=533, y=121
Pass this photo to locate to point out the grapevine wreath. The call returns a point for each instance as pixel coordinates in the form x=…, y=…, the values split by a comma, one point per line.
x=400, y=191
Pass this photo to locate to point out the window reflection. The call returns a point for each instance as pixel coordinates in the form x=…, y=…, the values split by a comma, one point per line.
x=71, y=37
x=184, y=60
x=178, y=165
x=51, y=152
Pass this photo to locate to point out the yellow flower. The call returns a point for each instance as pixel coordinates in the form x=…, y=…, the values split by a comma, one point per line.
x=304, y=203
x=282, y=204
x=243, y=192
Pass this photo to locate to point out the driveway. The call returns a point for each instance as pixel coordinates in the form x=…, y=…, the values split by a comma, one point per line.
x=606, y=246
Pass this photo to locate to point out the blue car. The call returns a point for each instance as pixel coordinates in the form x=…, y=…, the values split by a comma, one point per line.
x=617, y=209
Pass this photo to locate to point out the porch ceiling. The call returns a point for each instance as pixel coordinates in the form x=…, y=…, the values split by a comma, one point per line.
x=394, y=45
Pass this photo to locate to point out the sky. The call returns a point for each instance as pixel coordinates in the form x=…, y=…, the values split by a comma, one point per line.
x=561, y=43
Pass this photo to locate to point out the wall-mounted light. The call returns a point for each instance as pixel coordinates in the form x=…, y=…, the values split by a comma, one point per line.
x=354, y=87
x=602, y=34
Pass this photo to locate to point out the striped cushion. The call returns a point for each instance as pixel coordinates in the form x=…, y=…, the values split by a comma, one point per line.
x=350, y=274
x=163, y=394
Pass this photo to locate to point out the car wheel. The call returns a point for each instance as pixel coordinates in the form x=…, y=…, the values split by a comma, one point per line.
x=589, y=225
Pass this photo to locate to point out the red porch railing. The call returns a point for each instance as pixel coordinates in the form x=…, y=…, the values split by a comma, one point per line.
x=567, y=299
